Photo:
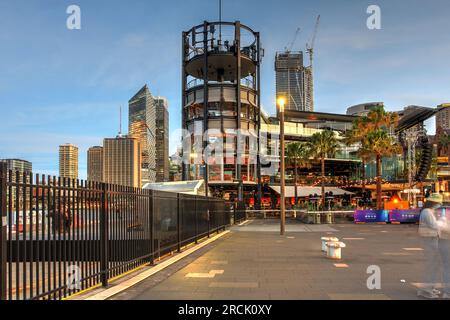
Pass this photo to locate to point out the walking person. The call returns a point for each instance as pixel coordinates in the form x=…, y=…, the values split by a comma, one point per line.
x=429, y=231
x=444, y=249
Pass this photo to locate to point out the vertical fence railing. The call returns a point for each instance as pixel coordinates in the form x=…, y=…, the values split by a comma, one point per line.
x=3, y=243
x=60, y=235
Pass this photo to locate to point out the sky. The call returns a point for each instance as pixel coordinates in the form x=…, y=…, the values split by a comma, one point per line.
x=65, y=86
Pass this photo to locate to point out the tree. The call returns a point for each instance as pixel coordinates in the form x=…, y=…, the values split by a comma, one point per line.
x=323, y=145
x=298, y=154
x=356, y=136
x=380, y=144
x=374, y=134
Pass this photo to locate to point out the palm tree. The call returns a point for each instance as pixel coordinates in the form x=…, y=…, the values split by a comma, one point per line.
x=298, y=154
x=356, y=136
x=380, y=144
x=374, y=134
x=323, y=145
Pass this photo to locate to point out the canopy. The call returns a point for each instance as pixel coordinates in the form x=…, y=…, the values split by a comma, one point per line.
x=194, y=187
x=303, y=191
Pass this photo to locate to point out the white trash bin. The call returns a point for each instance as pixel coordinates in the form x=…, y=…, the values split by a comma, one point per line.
x=334, y=250
x=327, y=239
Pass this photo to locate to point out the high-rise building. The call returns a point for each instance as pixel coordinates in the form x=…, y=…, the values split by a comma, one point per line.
x=95, y=164
x=443, y=116
x=68, y=161
x=22, y=166
x=122, y=161
x=294, y=81
x=142, y=125
x=162, y=139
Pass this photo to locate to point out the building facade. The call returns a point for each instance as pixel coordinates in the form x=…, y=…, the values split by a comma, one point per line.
x=142, y=125
x=95, y=164
x=162, y=139
x=294, y=81
x=22, y=166
x=122, y=161
x=68, y=161
x=443, y=117
x=363, y=109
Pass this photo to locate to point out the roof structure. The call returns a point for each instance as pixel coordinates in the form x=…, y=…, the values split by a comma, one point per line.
x=305, y=191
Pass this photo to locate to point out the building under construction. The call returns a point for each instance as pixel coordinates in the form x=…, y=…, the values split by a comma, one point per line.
x=294, y=81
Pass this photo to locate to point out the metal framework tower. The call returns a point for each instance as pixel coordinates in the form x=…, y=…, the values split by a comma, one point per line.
x=221, y=104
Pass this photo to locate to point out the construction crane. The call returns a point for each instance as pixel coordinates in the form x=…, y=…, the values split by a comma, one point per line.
x=310, y=46
x=291, y=44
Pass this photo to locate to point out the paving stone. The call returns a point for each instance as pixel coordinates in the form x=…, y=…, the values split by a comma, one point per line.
x=257, y=267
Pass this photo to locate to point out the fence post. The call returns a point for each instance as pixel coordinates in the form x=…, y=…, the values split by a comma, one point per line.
x=152, y=227
x=178, y=222
x=3, y=174
x=196, y=221
x=209, y=221
x=104, y=236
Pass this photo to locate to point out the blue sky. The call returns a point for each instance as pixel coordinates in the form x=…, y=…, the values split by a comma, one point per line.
x=59, y=85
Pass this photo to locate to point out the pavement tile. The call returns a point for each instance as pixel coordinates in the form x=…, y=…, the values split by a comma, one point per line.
x=257, y=267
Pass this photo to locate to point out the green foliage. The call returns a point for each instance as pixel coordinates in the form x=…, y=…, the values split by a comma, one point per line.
x=323, y=145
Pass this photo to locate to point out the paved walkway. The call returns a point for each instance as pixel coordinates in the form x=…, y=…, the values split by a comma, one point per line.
x=254, y=262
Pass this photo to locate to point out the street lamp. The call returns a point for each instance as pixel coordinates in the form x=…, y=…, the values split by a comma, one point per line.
x=281, y=102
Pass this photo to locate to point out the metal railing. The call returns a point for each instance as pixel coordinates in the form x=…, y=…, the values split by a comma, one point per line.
x=60, y=236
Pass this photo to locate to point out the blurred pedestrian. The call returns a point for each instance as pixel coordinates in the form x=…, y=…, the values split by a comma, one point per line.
x=444, y=249
x=429, y=231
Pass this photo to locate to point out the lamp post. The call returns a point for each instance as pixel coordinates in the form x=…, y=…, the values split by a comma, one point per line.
x=281, y=102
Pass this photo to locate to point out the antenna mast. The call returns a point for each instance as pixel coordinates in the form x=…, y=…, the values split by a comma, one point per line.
x=120, y=121
x=220, y=21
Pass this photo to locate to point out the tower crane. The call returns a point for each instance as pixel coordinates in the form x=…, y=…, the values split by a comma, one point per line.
x=310, y=46
x=291, y=44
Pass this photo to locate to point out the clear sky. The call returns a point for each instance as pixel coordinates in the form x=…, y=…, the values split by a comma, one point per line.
x=59, y=85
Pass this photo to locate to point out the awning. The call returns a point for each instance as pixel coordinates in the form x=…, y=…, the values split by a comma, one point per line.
x=303, y=191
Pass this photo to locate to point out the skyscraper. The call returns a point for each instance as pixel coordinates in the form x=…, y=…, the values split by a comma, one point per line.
x=68, y=161
x=443, y=117
x=95, y=164
x=18, y=165
x=142, y=125
x=162, y=139
x=122, y=161
x=294, y=81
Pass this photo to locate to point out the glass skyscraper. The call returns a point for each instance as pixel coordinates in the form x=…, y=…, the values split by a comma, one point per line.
x=142, y=125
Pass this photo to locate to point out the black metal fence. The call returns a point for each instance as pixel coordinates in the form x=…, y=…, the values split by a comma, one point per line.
x=60, y=236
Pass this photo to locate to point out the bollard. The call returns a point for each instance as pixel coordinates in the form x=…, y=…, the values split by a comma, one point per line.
x=318, y=218
x=334, y=250
x=329, y=218
x=327, y=239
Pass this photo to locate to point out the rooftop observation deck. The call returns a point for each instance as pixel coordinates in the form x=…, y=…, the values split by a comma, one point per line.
x=221, y=42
